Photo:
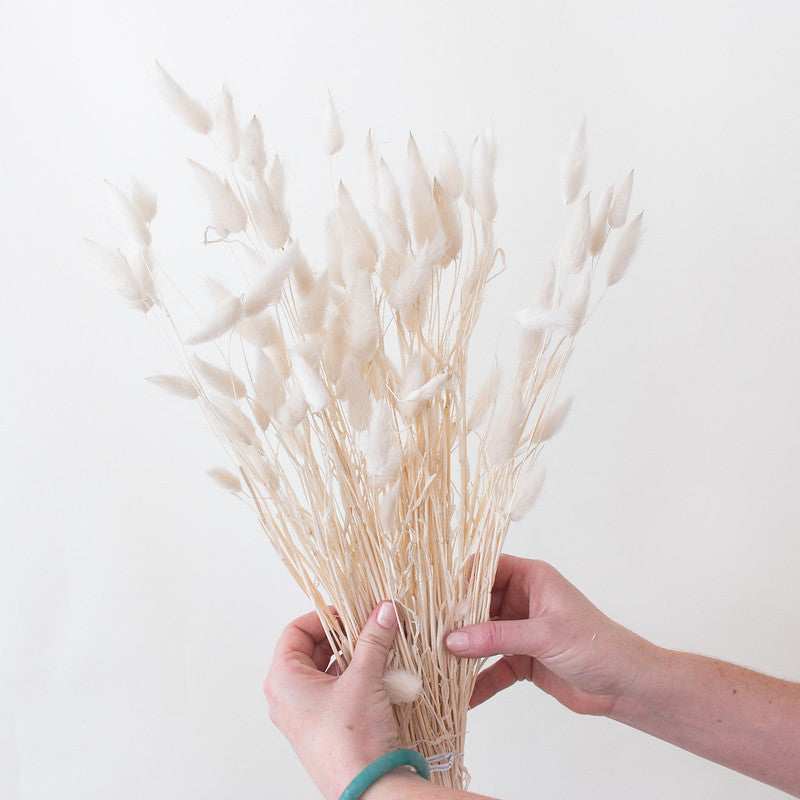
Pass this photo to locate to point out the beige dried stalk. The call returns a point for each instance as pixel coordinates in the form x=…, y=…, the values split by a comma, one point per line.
x=343, y=399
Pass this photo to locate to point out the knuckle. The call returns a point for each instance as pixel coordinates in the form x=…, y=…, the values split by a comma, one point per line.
x=372, y=641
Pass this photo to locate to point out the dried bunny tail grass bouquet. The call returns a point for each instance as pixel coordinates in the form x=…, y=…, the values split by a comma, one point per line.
x=341, y=395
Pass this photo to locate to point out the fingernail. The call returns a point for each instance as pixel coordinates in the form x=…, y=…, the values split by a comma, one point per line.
x=386, y=617
x=457, y=641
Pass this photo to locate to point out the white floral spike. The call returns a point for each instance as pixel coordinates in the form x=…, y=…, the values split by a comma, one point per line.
x=624, y=251
x=450, y=220
x=573, y=172
x=131, y=285
x=295, y=410
x=542, y=319
x=269, y=215
x=267, y=289
x=528, y=491
x=144, y=200
x=252, y=153
x=228, y=134
x=402, y=686
x=485, y=399
x=579, y=302
x=226, y=479
x=390, y=231
x=383, y=454
x=137, y=225
x=600, y=224
x=277, y=181
x=576, y=244
x=260, y=330
x=225, y=317
x=371, y=168
x=449, y=174
x=225, y=381
x=268, y=384
x=332, y=134
x=187, y=108
x=314, y=390
x=232, y=419
x=424, y=217
x=390, y=200
x=548, y=427
x=356, y=391
x=484, y=156
x=507, y=427
x=363, y=323
x=226, y=212
x=618, y=211
x=545, y=294
x=413, y=378
x=433, y=388
x=175, y=384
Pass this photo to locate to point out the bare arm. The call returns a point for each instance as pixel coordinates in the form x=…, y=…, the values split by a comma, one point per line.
x=744, y=720
x=741, y=719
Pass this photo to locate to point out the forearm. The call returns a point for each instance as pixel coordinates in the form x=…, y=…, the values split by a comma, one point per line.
x=404, y=785
x=742, y=719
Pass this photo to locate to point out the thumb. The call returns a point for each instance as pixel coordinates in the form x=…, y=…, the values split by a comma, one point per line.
x=498, y=637
x=374, y=642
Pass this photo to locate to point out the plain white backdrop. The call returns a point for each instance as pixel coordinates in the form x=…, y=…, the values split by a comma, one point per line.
x=139, y=605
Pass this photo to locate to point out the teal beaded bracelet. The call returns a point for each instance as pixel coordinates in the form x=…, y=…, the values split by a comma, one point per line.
x=380, y=766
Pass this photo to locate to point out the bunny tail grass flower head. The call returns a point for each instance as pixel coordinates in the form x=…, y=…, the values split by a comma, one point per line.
x=376, y=461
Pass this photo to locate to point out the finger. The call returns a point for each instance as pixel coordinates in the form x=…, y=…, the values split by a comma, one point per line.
x=374, y=643
x=322, y=655
x=300, y=638
x=498, y=637
x=492, y=680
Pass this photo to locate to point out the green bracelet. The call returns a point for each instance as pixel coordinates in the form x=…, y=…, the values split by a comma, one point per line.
x=380, y=766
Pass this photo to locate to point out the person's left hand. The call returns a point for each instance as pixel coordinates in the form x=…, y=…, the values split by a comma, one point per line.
x=337, y=725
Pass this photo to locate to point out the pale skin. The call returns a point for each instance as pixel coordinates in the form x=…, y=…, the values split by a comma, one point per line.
x=553, y=636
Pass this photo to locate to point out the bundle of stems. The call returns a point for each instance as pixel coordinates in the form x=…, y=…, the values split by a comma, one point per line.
x=341, y=394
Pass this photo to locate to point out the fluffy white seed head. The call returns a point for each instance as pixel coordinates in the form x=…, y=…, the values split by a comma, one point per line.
x=449, y=174
x=269, y=386
x=402, y=686
x=252, y=153
x=134, y=220
x=226, y=213
x=133, y=281
x=424, y=216
x=363, y=323
x=332, y=134
x=579, y=302
x=313, y=388
x=551, y=424
x=269, y=215
x=576, y=243
x=226, y=479
x=618, y=211
x=227, y=132
x=624, y=251
x=382, y=453
x=223, y=380
x=543, y=319
x=224, y=317
x=192, y=112
x=527, y=493
x=267, y=289
x=506, y=430
x=485, y=399
x=178, y=385
x=600, y=223
x=573, y=171
x=144, y=200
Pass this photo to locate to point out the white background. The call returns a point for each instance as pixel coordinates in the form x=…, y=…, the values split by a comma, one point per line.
x=139, y=605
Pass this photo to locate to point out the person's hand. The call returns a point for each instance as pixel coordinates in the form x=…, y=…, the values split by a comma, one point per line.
x=337, y=725
x=552, y=635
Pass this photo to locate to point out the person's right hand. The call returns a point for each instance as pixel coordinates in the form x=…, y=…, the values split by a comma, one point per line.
x=552, y=635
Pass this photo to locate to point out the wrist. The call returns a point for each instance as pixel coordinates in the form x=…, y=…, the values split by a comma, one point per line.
x=647, y=669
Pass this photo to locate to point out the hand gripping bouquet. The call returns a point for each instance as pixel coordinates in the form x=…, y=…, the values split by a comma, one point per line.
x=341, y=392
